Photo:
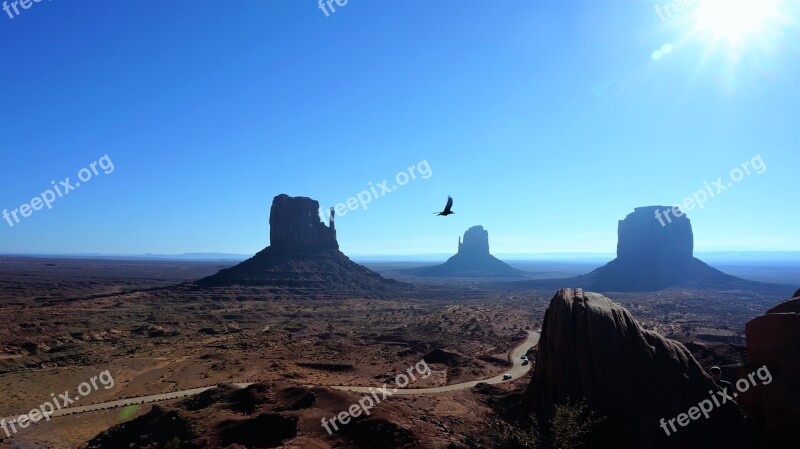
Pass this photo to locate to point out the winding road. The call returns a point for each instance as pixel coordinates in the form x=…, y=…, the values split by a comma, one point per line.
x=516, y=371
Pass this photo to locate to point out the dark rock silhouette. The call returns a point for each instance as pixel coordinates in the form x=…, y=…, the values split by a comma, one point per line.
x=594, y=350
x=642, y=236
x=789, y=306
x=653, y=257
x=275, y=414
x=650, y=257
x=160, y=424
x=773, y=346
x=303, y=258
x=472, y=260
x=476, y=242
x=295, y=227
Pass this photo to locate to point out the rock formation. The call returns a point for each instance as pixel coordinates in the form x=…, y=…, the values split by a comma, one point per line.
x=472, y=260
x=303, y=258
x=642, y=236
x=773, y=341
x=476, y=242
x=266, y=415
x=593, y=349
x=295, y=227
x=650, y=257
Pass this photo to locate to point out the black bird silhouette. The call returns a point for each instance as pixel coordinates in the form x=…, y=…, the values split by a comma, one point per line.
x=447, y=208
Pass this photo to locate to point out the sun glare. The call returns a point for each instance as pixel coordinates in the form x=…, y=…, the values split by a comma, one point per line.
x=734, y=19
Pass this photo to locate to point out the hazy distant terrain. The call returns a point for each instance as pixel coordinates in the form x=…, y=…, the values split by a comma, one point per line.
x=173, y=268
x=761, y=267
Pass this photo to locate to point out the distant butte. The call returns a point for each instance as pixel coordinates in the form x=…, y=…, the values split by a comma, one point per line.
x=650, y=257
x=304, y=258
x=654, y=257
x=472, y=260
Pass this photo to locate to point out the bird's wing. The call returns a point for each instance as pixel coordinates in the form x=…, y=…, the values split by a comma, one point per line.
x=449, y=204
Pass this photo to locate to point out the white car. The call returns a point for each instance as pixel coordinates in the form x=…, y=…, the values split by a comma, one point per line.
x=506, y=376
x=524, y=357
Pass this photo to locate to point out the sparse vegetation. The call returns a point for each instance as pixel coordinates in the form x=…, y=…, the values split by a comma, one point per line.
x=569, y=428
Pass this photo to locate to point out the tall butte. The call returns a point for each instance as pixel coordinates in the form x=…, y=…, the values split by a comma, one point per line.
x=650, y=257
x=472, y=260
x=654, y=256
x=303, y=257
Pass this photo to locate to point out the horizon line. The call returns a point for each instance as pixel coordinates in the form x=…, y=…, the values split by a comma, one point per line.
x=224, y=255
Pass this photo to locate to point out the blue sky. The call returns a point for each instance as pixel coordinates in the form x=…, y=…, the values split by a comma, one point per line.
x=548, y=121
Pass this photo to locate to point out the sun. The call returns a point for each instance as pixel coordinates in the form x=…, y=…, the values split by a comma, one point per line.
x=733, y=20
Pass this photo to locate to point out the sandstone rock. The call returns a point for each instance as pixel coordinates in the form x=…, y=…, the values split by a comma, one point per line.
x=650, y=257
x=277, y=414
x=303, y=258
x=31, y=348
x=476, y=242
x=654, y=257
x=472, y=260
x=295, y=227
x=593, y=349
x=439, y=355
x=773, y=342
x=642, y=236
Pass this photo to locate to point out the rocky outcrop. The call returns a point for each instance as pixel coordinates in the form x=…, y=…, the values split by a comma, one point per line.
x=304, y=258
x=476, y=242
x=773, y=345
x=654, y=254
x=642, y=236
x=472, y=260
x=295, y=227
x=650, y=257
x=593, y=349
x=271, y=415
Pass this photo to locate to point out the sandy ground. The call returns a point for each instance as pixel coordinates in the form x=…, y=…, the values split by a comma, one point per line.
x=65, y=321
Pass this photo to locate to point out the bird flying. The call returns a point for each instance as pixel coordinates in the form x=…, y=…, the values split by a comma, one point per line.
x=447, y=208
